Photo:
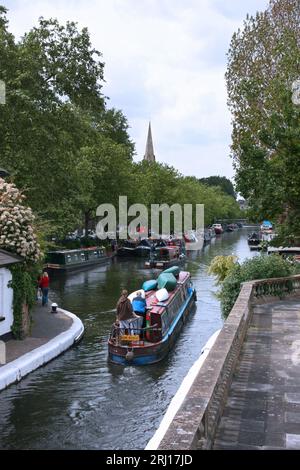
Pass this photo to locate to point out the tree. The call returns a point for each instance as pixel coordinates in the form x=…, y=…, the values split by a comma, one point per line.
x=156, y=183
x=224, y=183
x=115, y=126
x=263, y=62
x=59, y=64
x=102, y=174
x=54, y=110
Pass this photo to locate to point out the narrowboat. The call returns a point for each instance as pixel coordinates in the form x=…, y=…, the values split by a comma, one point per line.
x=218, y=229
x=143, y=248
x=254, y=239
x=195, y=240
x=231, y=227
x=190, y=237
x=135, y=248
x=127, y=248
x=286, y=252
x=164, y=320
x=72, y=260
x=266, y=227
x=166, y=253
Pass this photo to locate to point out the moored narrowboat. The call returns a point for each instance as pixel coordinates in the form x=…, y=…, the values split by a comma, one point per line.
x=72, y=260
x=164, y=320
x=143, y=248
x=254, y=239
x=167, y=253
x=127, y=248
x=218, y=229
x=135, y=248
x=266, y=227
x=292, y=252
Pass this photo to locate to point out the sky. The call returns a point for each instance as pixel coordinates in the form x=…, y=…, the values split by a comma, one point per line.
x=165, y=62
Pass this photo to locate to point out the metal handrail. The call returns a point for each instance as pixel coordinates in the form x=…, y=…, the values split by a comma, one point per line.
x=140, y=330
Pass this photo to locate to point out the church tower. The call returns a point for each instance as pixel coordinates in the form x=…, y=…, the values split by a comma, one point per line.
x=149, y=153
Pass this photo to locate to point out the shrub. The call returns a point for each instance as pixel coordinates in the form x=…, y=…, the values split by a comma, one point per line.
x=221, y=266
x=259, y=267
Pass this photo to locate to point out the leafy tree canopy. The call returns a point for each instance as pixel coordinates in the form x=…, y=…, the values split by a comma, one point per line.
x=263, y=63
x=69, y=152
x=224, y=183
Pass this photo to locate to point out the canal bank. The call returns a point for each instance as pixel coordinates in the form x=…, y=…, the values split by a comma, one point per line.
x=80, y=401
x=51, y=335
x=181, y=394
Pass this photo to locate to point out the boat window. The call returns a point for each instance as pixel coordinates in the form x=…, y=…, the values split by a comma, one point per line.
x=174, y=307
x=164, y=322
x=69, y=258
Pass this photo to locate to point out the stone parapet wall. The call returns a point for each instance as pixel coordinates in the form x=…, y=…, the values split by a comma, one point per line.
x=195, y=424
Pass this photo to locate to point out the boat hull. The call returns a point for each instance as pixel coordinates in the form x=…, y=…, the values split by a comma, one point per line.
x=52, y=267
x=126, y=252
x=255, y=247
x=156, y=351
x=163, y=264
x=254, y=242
x=133, y=252
x=142, y=252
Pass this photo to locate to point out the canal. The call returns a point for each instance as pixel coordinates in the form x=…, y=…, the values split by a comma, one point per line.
x=79, y=400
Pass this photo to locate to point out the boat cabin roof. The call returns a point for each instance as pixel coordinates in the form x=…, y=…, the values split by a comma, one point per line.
x=78, y=250
x=175, y=241
x=288, y=250
x=7, y=258
x=158, y=307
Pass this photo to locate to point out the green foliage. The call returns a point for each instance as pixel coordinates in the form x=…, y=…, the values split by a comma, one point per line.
x=65, y=149
x=54, y=111
x=224, y=183
x=221, y=266
x=23, y=285
x=156, y=183
x=259, y=267
x=266, y=123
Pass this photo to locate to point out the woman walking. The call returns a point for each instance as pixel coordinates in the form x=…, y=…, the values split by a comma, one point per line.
x=44, y=286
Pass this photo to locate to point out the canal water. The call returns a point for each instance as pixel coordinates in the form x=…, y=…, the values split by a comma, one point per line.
x=79, y=400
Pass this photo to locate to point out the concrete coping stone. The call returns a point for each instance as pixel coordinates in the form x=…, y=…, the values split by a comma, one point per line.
x=15, y=370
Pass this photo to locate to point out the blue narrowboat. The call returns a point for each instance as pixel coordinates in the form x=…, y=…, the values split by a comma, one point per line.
x=164, y=320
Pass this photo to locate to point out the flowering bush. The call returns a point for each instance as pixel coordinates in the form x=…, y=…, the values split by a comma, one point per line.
x=16, y=224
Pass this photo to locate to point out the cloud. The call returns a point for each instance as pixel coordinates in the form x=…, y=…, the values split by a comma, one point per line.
x=165, y=60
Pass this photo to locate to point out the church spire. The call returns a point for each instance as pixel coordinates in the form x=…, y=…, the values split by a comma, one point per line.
x=149, y=153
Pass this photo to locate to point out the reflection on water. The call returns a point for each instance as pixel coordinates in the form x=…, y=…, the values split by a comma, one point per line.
x=79, y=400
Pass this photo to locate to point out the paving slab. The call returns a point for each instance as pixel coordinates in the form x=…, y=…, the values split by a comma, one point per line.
x=45, y=326
x=263, y=404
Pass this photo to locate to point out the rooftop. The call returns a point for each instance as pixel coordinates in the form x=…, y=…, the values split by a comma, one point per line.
x=7, y=258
